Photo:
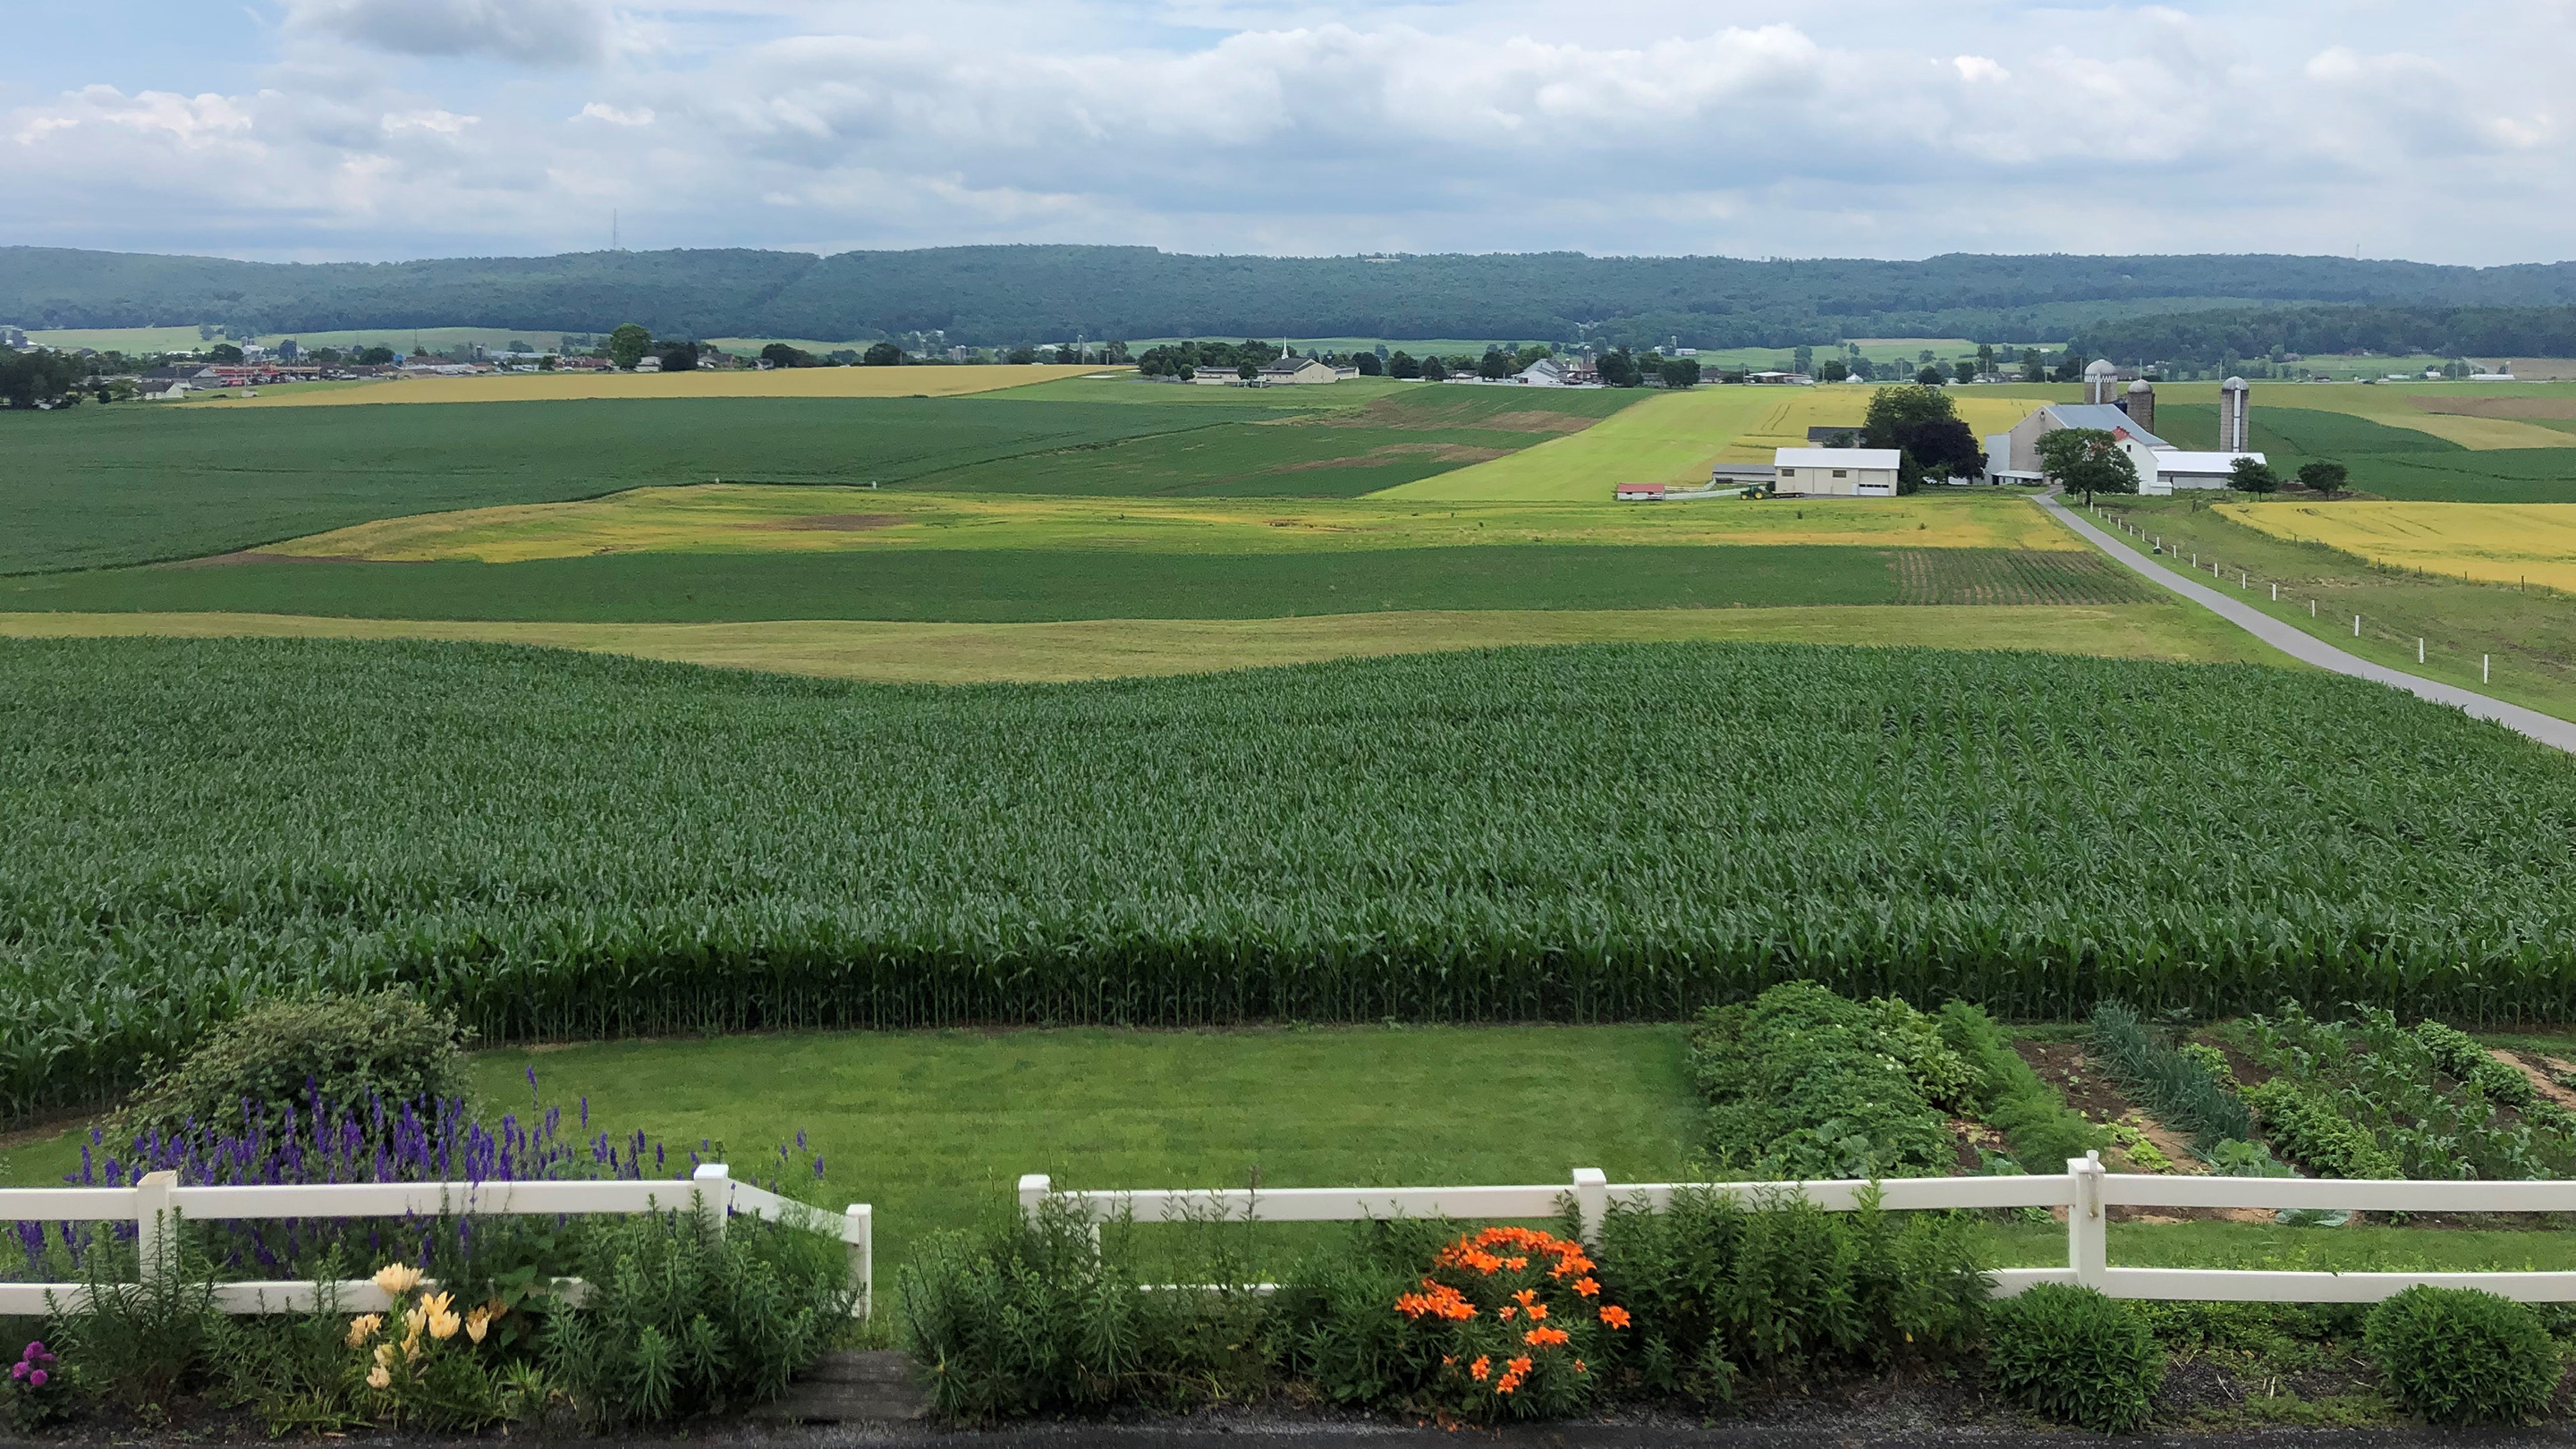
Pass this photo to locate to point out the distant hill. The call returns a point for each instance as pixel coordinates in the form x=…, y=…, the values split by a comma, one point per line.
x=990, y=295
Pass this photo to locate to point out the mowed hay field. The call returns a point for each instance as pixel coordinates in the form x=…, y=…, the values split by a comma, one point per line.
x=1676, y=437
x=896, y=652
x=807, y=382
x=2500, y=543
x=571, y=846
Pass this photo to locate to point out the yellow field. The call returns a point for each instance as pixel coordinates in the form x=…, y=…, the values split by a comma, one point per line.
x=1676, y=437
x=2500, y=543
x=748, y=518
x=1117, y=648
x=557, y=386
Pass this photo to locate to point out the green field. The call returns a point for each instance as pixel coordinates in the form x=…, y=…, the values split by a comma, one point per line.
x=572, y=846
x=1004, y=585
x=98, y=486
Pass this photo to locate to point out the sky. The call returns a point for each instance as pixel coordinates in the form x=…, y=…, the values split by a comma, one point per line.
x=390, y=129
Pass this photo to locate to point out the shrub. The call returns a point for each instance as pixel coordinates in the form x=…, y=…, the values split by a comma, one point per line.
x=1806, y=1084
x=1033, y=1317
x=1329, y=1323
x=350, y=1050
x=683, y=1320
x=1721, y=1290
x=2043, y=1132
x=2462, y=1356
x=2075, y=1356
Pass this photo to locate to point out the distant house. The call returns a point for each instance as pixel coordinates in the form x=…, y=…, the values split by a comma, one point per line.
x=648, y=364
x=1286, y=369
x=1781, y=379
x=1638, y=492
x=1582, y=372
x=583, y=364
x=172, y=390
x=2163, y=472
x=1836, y=472
x=1216, y=377
x=1546, y=372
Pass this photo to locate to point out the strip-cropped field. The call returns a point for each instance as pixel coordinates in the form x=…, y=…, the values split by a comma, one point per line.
x=98, y=486
x=578, y=846
x=808, y=382
x=735, y=518
x=942, y=653
x=1007, y=584
x=2500, y=543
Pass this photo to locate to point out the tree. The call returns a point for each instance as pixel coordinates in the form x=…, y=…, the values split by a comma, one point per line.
x=2087, y=461
x=2325, y=478
x=1681, y=372
x=2034, y=368
x=376, y=357
x=1985, y=357
x=882, y=354
x=224, y=352
x=1803, y=360
x=780, y=354
x=518, y=346
x=1834, y=370
x=1922, y=423
x=2253, y=475
x=1618, y=369
x=1930, y=376
x=1967, y=369
x=628, y=344
x=679, y=356
x=1369, y=366
x=1402, y=364
x=1020, y=356
x=28, y=379
x=1115, y=353
x=1495, y=365
x=1433, y=369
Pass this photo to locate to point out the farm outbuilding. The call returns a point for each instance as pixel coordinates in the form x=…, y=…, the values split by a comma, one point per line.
x=1638, y=493
x=1836, y=472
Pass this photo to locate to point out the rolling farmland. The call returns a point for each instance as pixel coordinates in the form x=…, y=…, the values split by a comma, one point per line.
x=785, y=382
x=2497, y=543
x=572, y=846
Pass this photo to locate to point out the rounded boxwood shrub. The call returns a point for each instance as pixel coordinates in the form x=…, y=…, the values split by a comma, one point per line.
x=2462, y=1356
x=2076, y=1356
x=277, y=1054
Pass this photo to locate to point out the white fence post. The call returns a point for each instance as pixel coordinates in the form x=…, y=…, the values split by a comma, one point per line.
x=1034, y=1188
x=1592, y=1199
x=858, y=1229
x=2088, y=1240
x=712, y=1185
x=155, y=1224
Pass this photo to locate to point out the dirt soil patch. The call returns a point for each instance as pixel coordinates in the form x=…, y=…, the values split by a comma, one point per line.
x=2062, y=1064
x=838, y=522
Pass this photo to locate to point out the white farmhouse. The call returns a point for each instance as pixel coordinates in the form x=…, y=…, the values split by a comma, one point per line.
x=1836, y=472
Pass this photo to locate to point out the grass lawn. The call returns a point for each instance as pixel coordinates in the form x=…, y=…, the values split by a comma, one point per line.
x=943, y=653
x=1021, y=585
x=97, y=486
x=2532, y=636
x=756, y=518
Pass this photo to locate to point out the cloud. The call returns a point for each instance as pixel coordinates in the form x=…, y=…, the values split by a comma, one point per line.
x=1864, y=127
x=528, y=32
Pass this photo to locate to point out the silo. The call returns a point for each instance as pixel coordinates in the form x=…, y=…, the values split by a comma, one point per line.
x=2235, y=428
x=2101, y=381
x=2142, y=405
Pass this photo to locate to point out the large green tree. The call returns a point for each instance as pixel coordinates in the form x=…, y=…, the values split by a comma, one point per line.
x=1922, y=423
x=628, y=344
x=2253, y=475
x=2323, y=477
x=2087, y=461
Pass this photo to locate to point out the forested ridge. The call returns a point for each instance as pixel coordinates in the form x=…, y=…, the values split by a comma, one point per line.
x=2202, y=338
x=1004, y=295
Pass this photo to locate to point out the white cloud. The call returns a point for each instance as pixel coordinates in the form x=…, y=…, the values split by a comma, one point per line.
x=530, y=32
x=1867, y=126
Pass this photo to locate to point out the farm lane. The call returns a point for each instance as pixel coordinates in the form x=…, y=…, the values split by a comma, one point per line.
x=2548, y=729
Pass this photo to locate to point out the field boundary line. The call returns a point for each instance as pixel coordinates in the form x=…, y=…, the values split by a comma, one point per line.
x=2548, y=729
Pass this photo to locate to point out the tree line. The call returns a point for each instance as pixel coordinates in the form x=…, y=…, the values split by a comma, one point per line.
x=1008, y=295
x=2223, y=336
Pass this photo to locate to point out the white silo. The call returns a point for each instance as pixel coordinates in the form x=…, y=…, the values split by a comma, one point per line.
x=2101, y=381
x=2235, y=427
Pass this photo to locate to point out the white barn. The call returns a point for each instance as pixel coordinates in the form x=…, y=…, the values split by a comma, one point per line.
x=1836, y=472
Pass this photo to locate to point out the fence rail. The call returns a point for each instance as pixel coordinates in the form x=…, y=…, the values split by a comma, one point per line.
x=2085, y=1191
x=157, y=1203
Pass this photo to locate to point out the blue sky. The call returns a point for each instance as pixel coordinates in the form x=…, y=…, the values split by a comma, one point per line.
x=384, y=129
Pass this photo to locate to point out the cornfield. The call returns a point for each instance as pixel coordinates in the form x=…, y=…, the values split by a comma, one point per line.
x=572, y=846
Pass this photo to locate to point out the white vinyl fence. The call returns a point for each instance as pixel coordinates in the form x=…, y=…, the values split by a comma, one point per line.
x=2085, y=1190
x=157, y=1203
